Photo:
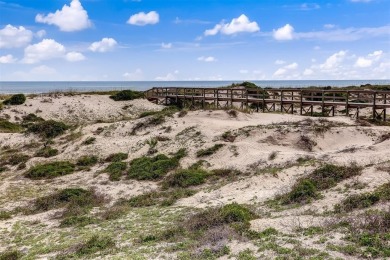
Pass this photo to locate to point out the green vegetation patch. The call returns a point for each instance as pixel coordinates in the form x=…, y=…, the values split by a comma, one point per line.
x=365, y=200
x=48, y=129
x=17, y=99
x=154, y=118
x=322, y=178
x=11, y=255
x=8, y=127
x=87, y=160
x=95, y=244
x=14, y=159
x=127, y=95
x=153, y=168
x=4, y=215
x=50, y=170
x=46, y=152
x=117, y=157
x=116, y=170
x=161, y=198
x=186, y=178
x=209, y=151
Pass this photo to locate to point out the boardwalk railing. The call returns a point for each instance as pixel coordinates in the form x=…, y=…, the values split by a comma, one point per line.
x=285, y=100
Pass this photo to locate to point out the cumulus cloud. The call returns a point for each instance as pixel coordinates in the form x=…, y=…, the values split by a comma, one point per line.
x=284, y=33
x=280, y=62
x=207, y=59
x=166, y=45
x=74, y=56
x=106, y=44
x=14, y=37
x=68, y=19
x=237, y=25
x=285, y=69
x=46, y=49
x=142, y=18
x=168, y=77
x=309, y=6
x=7, y=59
x=334, y=60
x=364, y=62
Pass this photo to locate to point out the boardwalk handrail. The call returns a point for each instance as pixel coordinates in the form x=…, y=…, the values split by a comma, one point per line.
x=285, y=98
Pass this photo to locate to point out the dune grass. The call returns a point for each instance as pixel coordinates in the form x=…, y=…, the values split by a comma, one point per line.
x=50, y=170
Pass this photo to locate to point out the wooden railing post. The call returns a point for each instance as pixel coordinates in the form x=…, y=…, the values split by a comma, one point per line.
x=374, y=107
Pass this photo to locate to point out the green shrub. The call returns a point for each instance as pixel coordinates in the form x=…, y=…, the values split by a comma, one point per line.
x=11, y=255
x=116, y=170
x=4, y=215
x=32, y=118
x=48, y=129
x=209, y=151
x=78, y=221
x=3, y=169
x=152, y=168
x=116, y=157
x=8, y=127
x=18, y=158
x=46, y=152
x=186, y=178
x=16, y=99
x=236, y=213
x=95, y=244
x=87, y=160
x=127, y=95
x=50, y=170
x=303, y=191
x=162, y=198
x=71, y=198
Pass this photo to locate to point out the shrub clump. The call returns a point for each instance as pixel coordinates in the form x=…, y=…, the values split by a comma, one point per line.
x=46, y=152
x=8, y=127
x=50, y=170
x=162, y=198
x=325, y=177
x=48, y=129
x=209, y=151
x=115, y=170
x=11, y=255
x=17, y=99
x=127, y=95
x=152, y=168
x=87, y=160
x=186, y=178
x=95, y=244
x=117, y=157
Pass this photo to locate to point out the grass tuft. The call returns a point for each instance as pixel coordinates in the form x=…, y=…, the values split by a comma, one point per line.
x=46, y=152
x=48, y=129
x=116, y=170
x=116, y=157
x=186, y=178
x=87, y=161
x=50, y=170
x=8, y=127
x=209, y=151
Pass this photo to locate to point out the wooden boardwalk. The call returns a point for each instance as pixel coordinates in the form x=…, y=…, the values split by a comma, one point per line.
x=283, y=100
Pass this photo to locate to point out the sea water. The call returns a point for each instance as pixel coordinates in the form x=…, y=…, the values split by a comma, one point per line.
x=29, y=87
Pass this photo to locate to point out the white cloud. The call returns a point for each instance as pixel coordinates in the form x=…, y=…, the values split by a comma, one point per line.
x=334, y=60
x=136, y=75
x=14, y=37
x=166, y=45
x=106, y=44
x=7, y=59
x=284, y=33
x=237, y=25
x=280, y=62
x=309, y=6
x=308, y=72
x=43, y=70
x=74, y=56
x=329, y=26
x=40, y=33
x=285, y=69
x=244, y=71
x=142, y=18
x=46, y=49
x=207, y=59
x=68, y=19
x=365, y=62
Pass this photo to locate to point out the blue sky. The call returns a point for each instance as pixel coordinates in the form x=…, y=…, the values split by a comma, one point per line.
x=194, y=40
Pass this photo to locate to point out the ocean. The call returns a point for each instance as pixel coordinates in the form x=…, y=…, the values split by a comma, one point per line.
x=11, y=87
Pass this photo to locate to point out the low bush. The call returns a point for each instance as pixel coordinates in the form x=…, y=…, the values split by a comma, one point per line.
x=78, y=221
x=8, y=127
x=87, y=160
x=48, y=129
x=62, y=198
x=117, y=157
x=127, y=95
x=152, y=168
x=18, y=158
x=186, y=178
x=116, y=170
x=4, y=215
x=95, y=244
x=10, y=255
x=17, y=99
x=89, y=141
x=322, y=178
x=50, y=170
x=162, y=198
x=3, y=169
x=154, y=118
x=209, y=151
x=32, y=118
x=46, y=152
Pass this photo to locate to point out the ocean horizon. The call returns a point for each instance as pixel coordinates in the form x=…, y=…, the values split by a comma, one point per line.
x=31, y=87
